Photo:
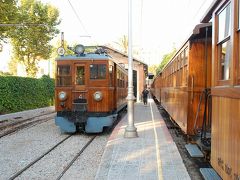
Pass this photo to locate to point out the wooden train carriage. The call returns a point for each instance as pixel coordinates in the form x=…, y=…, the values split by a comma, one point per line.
x=156, y=87
x=225, y=147
x=95, y=90
x=185, y=77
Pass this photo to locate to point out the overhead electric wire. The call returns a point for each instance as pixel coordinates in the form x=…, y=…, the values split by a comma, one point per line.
x=81, y=23
x=75, y=12
x=199, y=9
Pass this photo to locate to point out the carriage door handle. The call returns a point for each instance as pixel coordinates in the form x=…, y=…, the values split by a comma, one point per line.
x=192, y=79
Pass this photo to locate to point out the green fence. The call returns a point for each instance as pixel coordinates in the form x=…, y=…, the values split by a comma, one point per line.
x=21, y=93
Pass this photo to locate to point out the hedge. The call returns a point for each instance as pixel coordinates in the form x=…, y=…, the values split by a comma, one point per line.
x=22, y=93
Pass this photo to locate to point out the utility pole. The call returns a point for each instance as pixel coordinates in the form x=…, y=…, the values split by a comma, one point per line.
x=130, y=130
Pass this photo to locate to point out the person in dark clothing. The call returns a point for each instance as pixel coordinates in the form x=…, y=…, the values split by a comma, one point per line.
x=145, y=96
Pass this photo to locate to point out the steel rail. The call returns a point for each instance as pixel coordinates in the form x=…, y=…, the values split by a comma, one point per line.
x=37, y=159
x=22, y=126
x=75, y=157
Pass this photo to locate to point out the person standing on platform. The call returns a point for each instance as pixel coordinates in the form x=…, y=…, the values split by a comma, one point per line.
x=145, y=96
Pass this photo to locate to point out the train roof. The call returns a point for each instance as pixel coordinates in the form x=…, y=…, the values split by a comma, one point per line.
x=197, y=33
x=89, y=56
x=208, y=14
x=123, y=54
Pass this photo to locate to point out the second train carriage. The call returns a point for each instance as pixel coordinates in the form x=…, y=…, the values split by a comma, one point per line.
x=90, y=91
x=182, y=81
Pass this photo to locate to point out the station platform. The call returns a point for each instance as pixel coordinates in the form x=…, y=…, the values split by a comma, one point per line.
x=150, y=156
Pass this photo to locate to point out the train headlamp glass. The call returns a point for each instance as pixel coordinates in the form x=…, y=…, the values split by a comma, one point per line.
x=62, y=96
x=98, y=96
x=79, y=49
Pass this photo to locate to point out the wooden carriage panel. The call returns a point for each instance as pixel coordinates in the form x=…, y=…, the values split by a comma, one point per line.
x=156, y=88
x=199, y=70
x=199, y=79
x=225, y=145
x=121, y=96
x=175, y=101
x=68, y=102
x=101, y=106
x=111, y=99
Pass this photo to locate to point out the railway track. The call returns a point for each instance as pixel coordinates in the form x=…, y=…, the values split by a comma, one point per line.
x=50, y=150
x=11, y=127
x=76, y=157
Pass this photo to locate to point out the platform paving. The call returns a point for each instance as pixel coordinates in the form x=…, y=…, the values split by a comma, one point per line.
x=152, y=155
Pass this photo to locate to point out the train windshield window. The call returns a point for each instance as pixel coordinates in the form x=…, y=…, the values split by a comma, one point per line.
x=63, y=75
x=224, y=21
x=98, y=71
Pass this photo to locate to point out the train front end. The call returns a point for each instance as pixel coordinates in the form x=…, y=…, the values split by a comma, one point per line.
x=84, y=93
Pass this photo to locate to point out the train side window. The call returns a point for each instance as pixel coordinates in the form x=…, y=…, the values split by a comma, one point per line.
x=224, y=21
x=186, y=56
x=63, y=75
x=224, y=47
x=98, y=71
x=111, y=76
x=181, y=59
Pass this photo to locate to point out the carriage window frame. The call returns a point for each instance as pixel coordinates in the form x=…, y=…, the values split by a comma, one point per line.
x=224, y=38
x=63, y=79
x=238, y=15
x=97, y=72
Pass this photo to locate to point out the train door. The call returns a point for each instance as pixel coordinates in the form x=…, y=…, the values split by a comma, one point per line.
x=79, y=77
x=79, y=93
x=135, y=83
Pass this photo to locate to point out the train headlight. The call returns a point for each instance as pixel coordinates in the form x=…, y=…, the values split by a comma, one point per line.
x=79, y=49
x=62, y=96
x=98, y=96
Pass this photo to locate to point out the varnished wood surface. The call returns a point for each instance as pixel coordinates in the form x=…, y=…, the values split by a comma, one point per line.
x=181, y=101
x=230, y=92
x=225, y=147
x=113, y=96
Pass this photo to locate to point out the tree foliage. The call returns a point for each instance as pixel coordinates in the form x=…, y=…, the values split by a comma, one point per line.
x=166, y=58
x=12, y=65
x=152, y=69
x=8, y=14
x=123, y=43
x=31, y=41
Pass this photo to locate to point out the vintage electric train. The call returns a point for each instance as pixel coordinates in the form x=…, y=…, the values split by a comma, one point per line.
x=90, y=91
x=200, y=86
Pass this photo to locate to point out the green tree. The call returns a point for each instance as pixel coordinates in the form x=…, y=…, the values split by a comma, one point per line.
x=8, y=14
x=31, y=42
x=123, y=43
x=166, y=58
x=152, y=69
x=54, y=54
x=12, y=65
